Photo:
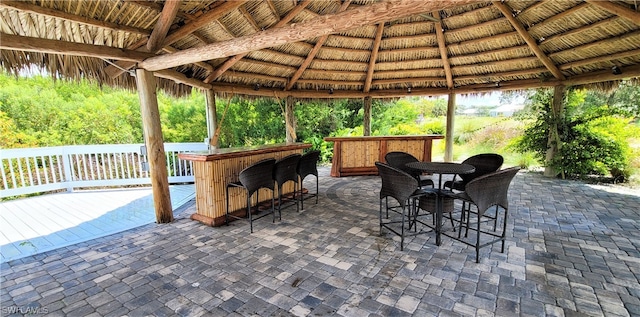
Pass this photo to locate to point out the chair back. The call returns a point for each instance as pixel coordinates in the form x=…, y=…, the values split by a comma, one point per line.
x=491, y=189
x=399, y=160
x=308, y=164
x=396, y=183
x=484, y=163
x=257, y=175
x=285, y=169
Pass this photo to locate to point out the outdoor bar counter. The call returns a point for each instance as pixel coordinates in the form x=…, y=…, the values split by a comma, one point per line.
x=358, y=155
x=215, y=168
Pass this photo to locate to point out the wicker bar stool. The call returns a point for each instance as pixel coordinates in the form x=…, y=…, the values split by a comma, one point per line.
x=252, y=179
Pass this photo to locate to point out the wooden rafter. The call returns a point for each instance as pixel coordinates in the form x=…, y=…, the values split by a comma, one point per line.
x=163, y=24
x=234, y=59
x=599, y=59
x=30, y=8
x=312, y=54
x=182, y=32
x=506, y=11
x=619, y=10
x=33, y=44
x=323, y=25
x=374, y=57
x=442, y=46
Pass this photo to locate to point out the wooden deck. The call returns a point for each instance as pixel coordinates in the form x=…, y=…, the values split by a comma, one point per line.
x=38, y=224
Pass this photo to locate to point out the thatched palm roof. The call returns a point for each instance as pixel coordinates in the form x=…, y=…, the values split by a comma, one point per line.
x=327, y=48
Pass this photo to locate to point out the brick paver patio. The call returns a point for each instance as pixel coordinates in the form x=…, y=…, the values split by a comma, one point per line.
x=573, y=250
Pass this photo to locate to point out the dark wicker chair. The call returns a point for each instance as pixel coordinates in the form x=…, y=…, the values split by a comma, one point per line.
x=252, y=179
x=484, y=163
x=399, y=160
x=284, y=171
x=485, y=192
x=404, y=189
x=308, y=165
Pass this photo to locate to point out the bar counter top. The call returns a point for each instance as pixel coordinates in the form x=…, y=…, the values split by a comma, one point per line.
x=234, y=152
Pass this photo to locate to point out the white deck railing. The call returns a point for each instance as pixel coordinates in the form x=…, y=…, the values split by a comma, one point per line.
x=35, y=170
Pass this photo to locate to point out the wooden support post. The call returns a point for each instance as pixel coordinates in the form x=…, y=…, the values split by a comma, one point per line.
x=448, y=138
x=212, y=116
x=366, y=121
x=151, y=126
x=553, y=142
x=290, y=120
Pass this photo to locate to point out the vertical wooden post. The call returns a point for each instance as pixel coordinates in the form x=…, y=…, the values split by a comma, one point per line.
x=553, y=142
x=212, y=116
x=366, y=121
x=151, y=126
x=448, y=138
x=290, y=120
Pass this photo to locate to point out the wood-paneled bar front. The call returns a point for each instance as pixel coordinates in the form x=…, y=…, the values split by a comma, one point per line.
x=358, y=155
x=215, y=168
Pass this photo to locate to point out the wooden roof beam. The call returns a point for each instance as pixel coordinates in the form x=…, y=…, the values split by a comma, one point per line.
x=312, y=54
x=442, y=46
x=206, y=66
x=234, y=59
x=373, y=57
x=619, y=10
x=33, y=44
x=180, y=33
x=506, y=11
x=163, y=24
x=323, y=25
x=604, y=58
x=35, y=9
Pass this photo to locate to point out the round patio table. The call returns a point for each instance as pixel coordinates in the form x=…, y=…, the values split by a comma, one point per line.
x=441, y=168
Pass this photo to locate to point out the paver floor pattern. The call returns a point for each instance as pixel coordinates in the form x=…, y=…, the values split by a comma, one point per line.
x=38, y=224
x=572, y=250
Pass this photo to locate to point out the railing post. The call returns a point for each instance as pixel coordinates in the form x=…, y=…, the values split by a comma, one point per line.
x=66, y=164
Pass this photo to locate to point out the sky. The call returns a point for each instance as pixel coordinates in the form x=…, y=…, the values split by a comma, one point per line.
x=492, y=99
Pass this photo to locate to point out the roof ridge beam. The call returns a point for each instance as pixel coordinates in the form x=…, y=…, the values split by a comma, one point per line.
x=506, y=11
x=312, y=54
x=619, y=10
x=30, y=8
x=324, y=25
x=234, y=59
x=373, y=57
x=442, y=46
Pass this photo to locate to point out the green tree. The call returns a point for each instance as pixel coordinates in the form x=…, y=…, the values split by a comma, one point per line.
x=593, y=135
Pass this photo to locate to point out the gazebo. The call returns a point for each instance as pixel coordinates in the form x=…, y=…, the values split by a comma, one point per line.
x=321, y=49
